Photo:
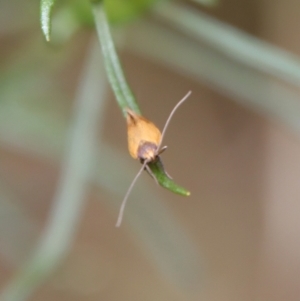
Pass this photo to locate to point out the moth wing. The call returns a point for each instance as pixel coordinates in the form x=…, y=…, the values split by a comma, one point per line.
x=140, y=130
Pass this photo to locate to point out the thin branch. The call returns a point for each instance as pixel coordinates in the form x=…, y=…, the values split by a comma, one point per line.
x=122, y=90
x=112, y=63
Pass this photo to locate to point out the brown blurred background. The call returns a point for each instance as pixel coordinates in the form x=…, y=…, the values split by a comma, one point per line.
x=236, y=236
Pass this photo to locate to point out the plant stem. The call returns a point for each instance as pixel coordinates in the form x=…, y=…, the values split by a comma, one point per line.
x=122, y=90
x=112, y=63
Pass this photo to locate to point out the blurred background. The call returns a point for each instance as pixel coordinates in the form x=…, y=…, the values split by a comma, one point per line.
x=65, y=168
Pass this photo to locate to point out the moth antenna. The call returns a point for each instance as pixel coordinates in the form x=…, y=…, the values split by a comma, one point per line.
x=170, y=117
x=122, y=208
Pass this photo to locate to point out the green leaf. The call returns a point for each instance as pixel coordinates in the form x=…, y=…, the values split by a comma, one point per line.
x=116, y=77
x=122, y=91
x=163, y=179
x=121, y=11
x=46, y=9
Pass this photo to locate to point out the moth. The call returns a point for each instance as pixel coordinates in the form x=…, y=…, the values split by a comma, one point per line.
x=144, y=144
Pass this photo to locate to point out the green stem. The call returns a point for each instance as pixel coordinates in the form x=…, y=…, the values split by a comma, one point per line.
x=121, y=89
x=113, y=66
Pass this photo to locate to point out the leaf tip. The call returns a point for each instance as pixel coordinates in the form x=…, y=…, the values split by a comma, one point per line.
x=47, y=37
x=46, y=8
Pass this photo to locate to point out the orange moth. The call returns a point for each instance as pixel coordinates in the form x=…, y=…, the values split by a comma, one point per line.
x=144, y=144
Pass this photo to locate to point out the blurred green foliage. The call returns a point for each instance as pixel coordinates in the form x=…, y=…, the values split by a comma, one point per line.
x=125, y=10
x=118, y=11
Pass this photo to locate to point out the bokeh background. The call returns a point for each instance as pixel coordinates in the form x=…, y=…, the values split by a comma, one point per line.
x=64, y=164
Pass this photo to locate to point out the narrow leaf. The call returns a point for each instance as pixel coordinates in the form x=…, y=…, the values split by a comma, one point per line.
x=122, y=91
x=163, y=179
x=46, y=8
